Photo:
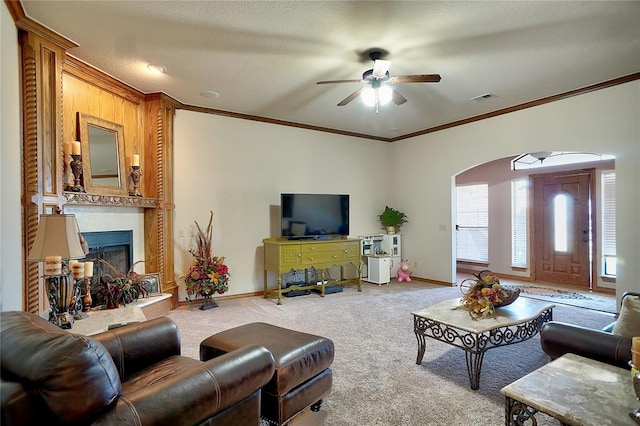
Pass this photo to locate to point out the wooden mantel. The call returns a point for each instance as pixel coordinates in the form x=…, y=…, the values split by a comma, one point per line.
x=82, y=198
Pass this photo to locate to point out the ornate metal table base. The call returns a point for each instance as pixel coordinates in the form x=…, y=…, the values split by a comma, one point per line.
x=476, y=344
x=517, y=413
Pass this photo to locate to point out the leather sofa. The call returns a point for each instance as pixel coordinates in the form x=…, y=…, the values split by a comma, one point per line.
x=132, y=375
x=557, y=339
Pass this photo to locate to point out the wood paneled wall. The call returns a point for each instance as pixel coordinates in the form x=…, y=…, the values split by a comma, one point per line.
x=84, y=91
x=41, y=146
x=55, y=87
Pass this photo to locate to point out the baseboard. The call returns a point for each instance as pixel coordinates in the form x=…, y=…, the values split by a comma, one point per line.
x=497, y=274
x=225, y=297
x=430, y=281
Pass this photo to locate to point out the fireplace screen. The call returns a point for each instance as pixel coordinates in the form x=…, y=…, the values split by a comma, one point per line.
x=114, y=247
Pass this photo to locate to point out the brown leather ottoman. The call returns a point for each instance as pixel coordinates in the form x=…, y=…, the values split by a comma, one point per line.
x=302, y=375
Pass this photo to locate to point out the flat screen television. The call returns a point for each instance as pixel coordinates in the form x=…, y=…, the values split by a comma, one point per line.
x=314, y=216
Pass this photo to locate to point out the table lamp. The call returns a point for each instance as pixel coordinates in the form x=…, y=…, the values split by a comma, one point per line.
x=58, y=239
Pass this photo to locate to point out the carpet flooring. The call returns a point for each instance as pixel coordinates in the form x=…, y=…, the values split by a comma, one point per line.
x=375, y=377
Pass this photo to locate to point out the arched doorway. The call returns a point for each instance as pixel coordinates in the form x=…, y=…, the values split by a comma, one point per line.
x=499, y=175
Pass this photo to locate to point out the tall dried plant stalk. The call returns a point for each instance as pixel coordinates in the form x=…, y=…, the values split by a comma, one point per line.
x=117, y=273
x=202, y=239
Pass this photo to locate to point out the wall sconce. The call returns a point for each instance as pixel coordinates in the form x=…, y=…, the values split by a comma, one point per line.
x=58, y=239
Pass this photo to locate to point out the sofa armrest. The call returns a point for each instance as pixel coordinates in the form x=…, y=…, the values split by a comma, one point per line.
x=559, y=338
x=136, y=346
x=193, y=395
x=19, y=406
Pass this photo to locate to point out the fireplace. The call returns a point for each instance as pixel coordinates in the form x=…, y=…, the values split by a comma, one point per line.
x=114, y=247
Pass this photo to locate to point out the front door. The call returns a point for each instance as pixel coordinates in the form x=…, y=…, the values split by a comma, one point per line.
x=561, y=228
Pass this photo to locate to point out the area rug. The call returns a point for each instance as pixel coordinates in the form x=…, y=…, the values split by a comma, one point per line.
x=598, y=302
x=560, y=295
x=376, y=380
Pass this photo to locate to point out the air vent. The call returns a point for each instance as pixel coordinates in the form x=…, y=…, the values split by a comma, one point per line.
x=484, y=97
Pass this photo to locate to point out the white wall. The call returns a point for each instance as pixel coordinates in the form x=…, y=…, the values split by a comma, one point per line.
x=605, y=121
x=10, y=167
x=238, y=168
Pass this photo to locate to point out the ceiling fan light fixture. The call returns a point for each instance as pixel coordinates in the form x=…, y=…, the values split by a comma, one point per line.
x=383, y=95
x=380, y=68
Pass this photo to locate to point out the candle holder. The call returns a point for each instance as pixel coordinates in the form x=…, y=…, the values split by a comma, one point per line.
x=76, y=305
x=60, y=290
x=635, y=378
x=76, y=168
x=135, y=178
x=87, y=300
x=66, y=172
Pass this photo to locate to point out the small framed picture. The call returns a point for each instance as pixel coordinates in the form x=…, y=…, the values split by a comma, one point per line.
x=152, y=283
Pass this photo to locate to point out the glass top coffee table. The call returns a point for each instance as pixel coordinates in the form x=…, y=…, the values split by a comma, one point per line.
x=514, y=323
x=575, y=390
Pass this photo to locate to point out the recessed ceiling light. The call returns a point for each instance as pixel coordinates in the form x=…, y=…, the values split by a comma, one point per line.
x=209, y=94
x=481, y=98
x=160, y=69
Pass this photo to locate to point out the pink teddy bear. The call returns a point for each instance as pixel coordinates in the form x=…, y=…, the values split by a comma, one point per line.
x=403, y=272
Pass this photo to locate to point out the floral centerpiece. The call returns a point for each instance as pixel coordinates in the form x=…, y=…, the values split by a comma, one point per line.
x=120, y=288
x=207, y=274
x=484, y=294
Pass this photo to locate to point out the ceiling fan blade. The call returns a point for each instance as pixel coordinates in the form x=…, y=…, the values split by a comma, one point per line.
x=380, y=68
x=417, y=78
x=398, y=98
x=351, y=96
x=339, y=81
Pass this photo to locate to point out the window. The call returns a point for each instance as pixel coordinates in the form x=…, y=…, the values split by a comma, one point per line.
x=519, y=214
x=560, y=223
x=472, y=229
x=609, y=223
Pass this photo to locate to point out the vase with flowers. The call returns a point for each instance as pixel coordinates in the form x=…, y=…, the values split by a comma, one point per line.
x=484, y=293
x=207, y=274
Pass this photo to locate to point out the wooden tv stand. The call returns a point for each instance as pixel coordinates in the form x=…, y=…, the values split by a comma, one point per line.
x=282, y=255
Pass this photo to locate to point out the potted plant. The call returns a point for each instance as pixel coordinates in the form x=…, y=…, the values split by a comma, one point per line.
x=120, y=288
x=392, y=219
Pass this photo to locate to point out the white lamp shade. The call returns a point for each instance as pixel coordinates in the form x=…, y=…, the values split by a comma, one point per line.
x=384, y=94
x=58, y=235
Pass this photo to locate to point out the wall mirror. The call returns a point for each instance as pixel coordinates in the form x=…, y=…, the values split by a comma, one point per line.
x=103, y=165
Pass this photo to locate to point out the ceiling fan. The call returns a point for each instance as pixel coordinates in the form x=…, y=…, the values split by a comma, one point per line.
x=377, y=90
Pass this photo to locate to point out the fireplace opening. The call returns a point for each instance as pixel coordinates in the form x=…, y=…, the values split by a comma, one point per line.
x=114, y=247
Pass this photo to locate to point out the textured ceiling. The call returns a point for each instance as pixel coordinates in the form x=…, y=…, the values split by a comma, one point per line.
x=265, y=57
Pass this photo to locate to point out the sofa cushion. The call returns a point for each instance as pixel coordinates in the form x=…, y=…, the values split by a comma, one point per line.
x=628, y=323
x=73, y=375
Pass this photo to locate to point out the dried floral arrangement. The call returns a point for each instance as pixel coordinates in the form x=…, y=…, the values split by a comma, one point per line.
x=484, y=293
x=120, y=288
x=207, y=274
